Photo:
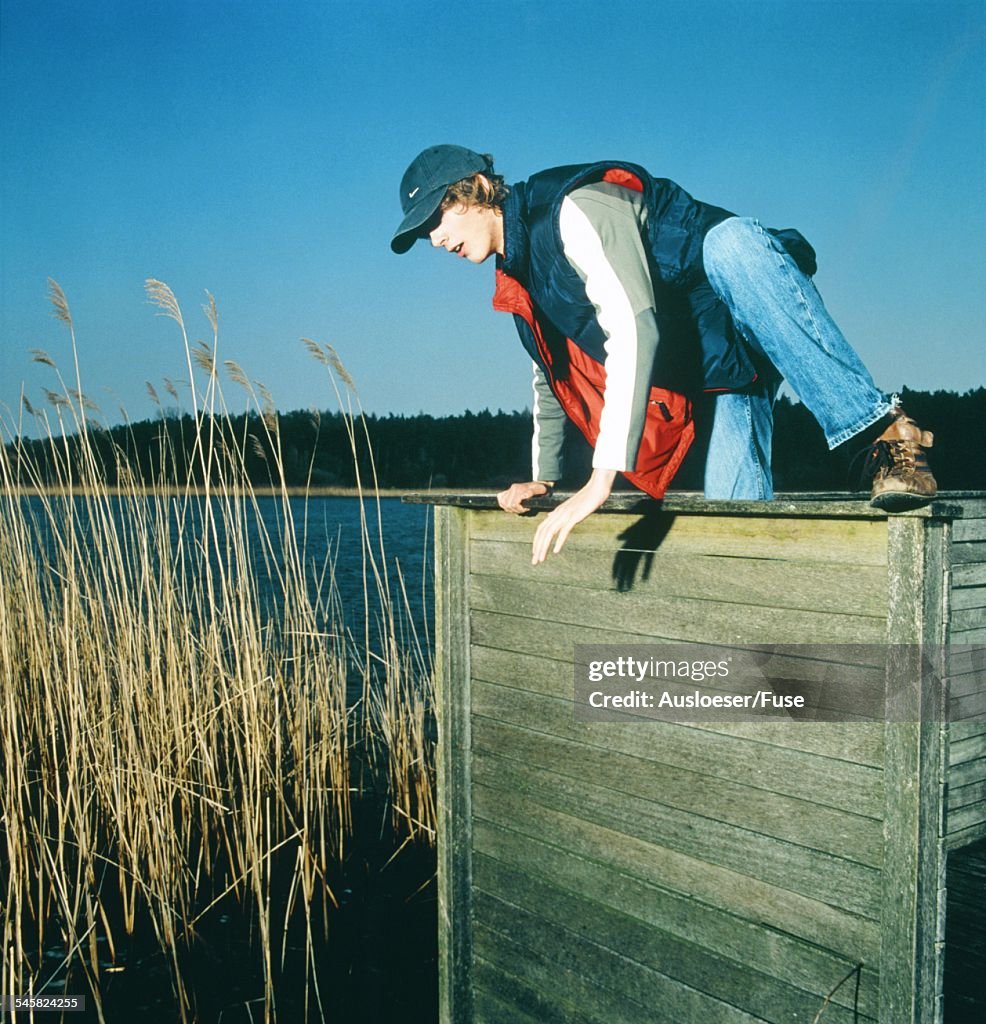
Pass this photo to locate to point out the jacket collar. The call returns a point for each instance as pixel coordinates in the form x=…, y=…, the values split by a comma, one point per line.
x=516, y=242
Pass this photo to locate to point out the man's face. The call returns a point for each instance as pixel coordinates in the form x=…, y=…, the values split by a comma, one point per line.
x=473, y=233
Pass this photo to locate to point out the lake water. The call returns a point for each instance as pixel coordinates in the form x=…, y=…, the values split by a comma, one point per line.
x=359, y=540
x=335, y=530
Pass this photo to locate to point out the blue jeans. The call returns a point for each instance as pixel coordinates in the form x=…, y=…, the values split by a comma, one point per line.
x=777, y=307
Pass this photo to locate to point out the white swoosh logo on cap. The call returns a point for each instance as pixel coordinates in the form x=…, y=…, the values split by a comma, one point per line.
x=411, y=195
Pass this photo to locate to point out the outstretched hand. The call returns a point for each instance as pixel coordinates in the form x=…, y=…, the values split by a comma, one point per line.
x=560, y=522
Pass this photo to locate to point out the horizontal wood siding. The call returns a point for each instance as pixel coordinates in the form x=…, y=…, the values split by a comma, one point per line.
x=966, y=801
x=669, y=871
x=965, y=954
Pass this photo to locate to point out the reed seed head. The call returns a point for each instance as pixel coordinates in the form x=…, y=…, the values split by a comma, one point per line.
x=160, y=295
x=211, y=312
x=236, y=374
x=59, y=401
x=203, y=358
x=316, y=350
x=57, y=298
x=40, y=356
x=336, y=364
x=257, y=447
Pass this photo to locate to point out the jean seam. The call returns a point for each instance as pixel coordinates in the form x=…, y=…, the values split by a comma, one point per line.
x=754, y=454
x=844, y=435
x=784, y=260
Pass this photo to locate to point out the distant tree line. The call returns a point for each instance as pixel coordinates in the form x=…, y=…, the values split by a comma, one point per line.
x=482, y=450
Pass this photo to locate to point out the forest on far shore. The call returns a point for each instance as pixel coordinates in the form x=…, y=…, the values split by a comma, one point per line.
x=484, y=450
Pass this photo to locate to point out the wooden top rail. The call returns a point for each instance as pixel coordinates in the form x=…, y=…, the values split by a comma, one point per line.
x=948, y=504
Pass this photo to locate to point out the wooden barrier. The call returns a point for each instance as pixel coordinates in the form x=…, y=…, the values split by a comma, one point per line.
x=593, y=871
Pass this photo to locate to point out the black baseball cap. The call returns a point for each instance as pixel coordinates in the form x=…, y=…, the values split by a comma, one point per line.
x=424, y=185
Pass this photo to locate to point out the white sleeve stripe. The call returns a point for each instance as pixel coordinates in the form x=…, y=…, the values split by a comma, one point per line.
x=536, y=439
x=584, y=248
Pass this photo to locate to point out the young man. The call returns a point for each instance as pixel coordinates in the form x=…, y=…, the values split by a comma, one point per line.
x=629, y=295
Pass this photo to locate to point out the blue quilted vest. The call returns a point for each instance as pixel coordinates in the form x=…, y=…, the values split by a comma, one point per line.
x=700, y=346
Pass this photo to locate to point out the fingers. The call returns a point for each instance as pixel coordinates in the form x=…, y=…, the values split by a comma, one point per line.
x=513, y=498
x=554, y=530
x=510, y=501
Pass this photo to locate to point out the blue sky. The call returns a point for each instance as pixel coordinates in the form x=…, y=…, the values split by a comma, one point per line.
x=253, y=149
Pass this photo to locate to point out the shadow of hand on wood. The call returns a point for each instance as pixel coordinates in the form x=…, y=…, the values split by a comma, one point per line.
x=635, y=559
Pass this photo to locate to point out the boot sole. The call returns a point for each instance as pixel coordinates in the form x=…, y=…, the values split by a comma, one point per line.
x=900, y=501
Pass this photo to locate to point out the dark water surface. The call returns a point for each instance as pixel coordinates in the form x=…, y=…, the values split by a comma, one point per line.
x=386, y=543
x=378, y=963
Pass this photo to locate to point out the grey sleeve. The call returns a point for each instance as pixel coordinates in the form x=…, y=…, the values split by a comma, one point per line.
x=549, y=431
x=602, y=228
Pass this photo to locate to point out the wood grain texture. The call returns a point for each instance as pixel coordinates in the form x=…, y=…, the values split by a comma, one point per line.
x=911, y=956
x=453, y=767
x=506, y=860
x=723, y=872
x=800, y=821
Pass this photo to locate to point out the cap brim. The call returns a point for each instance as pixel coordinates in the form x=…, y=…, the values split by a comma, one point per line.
x=419, y=215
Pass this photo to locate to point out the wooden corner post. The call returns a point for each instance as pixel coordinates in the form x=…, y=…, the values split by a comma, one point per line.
x=912, y=921
x=453, y=765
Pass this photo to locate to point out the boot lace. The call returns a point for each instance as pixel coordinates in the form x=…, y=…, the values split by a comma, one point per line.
x=882, y=456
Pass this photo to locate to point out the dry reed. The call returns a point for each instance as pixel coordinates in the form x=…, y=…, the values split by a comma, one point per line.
x=170, y=740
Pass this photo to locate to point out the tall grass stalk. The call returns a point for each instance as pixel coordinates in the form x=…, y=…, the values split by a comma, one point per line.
x=171, y=740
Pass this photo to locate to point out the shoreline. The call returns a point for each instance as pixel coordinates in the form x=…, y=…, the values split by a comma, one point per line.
x=238, y=492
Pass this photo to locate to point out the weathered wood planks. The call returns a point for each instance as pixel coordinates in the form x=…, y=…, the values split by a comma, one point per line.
x=966, y=805
x=681, y=871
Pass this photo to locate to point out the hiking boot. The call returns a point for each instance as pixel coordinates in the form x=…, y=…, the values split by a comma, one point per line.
x=898, y=467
